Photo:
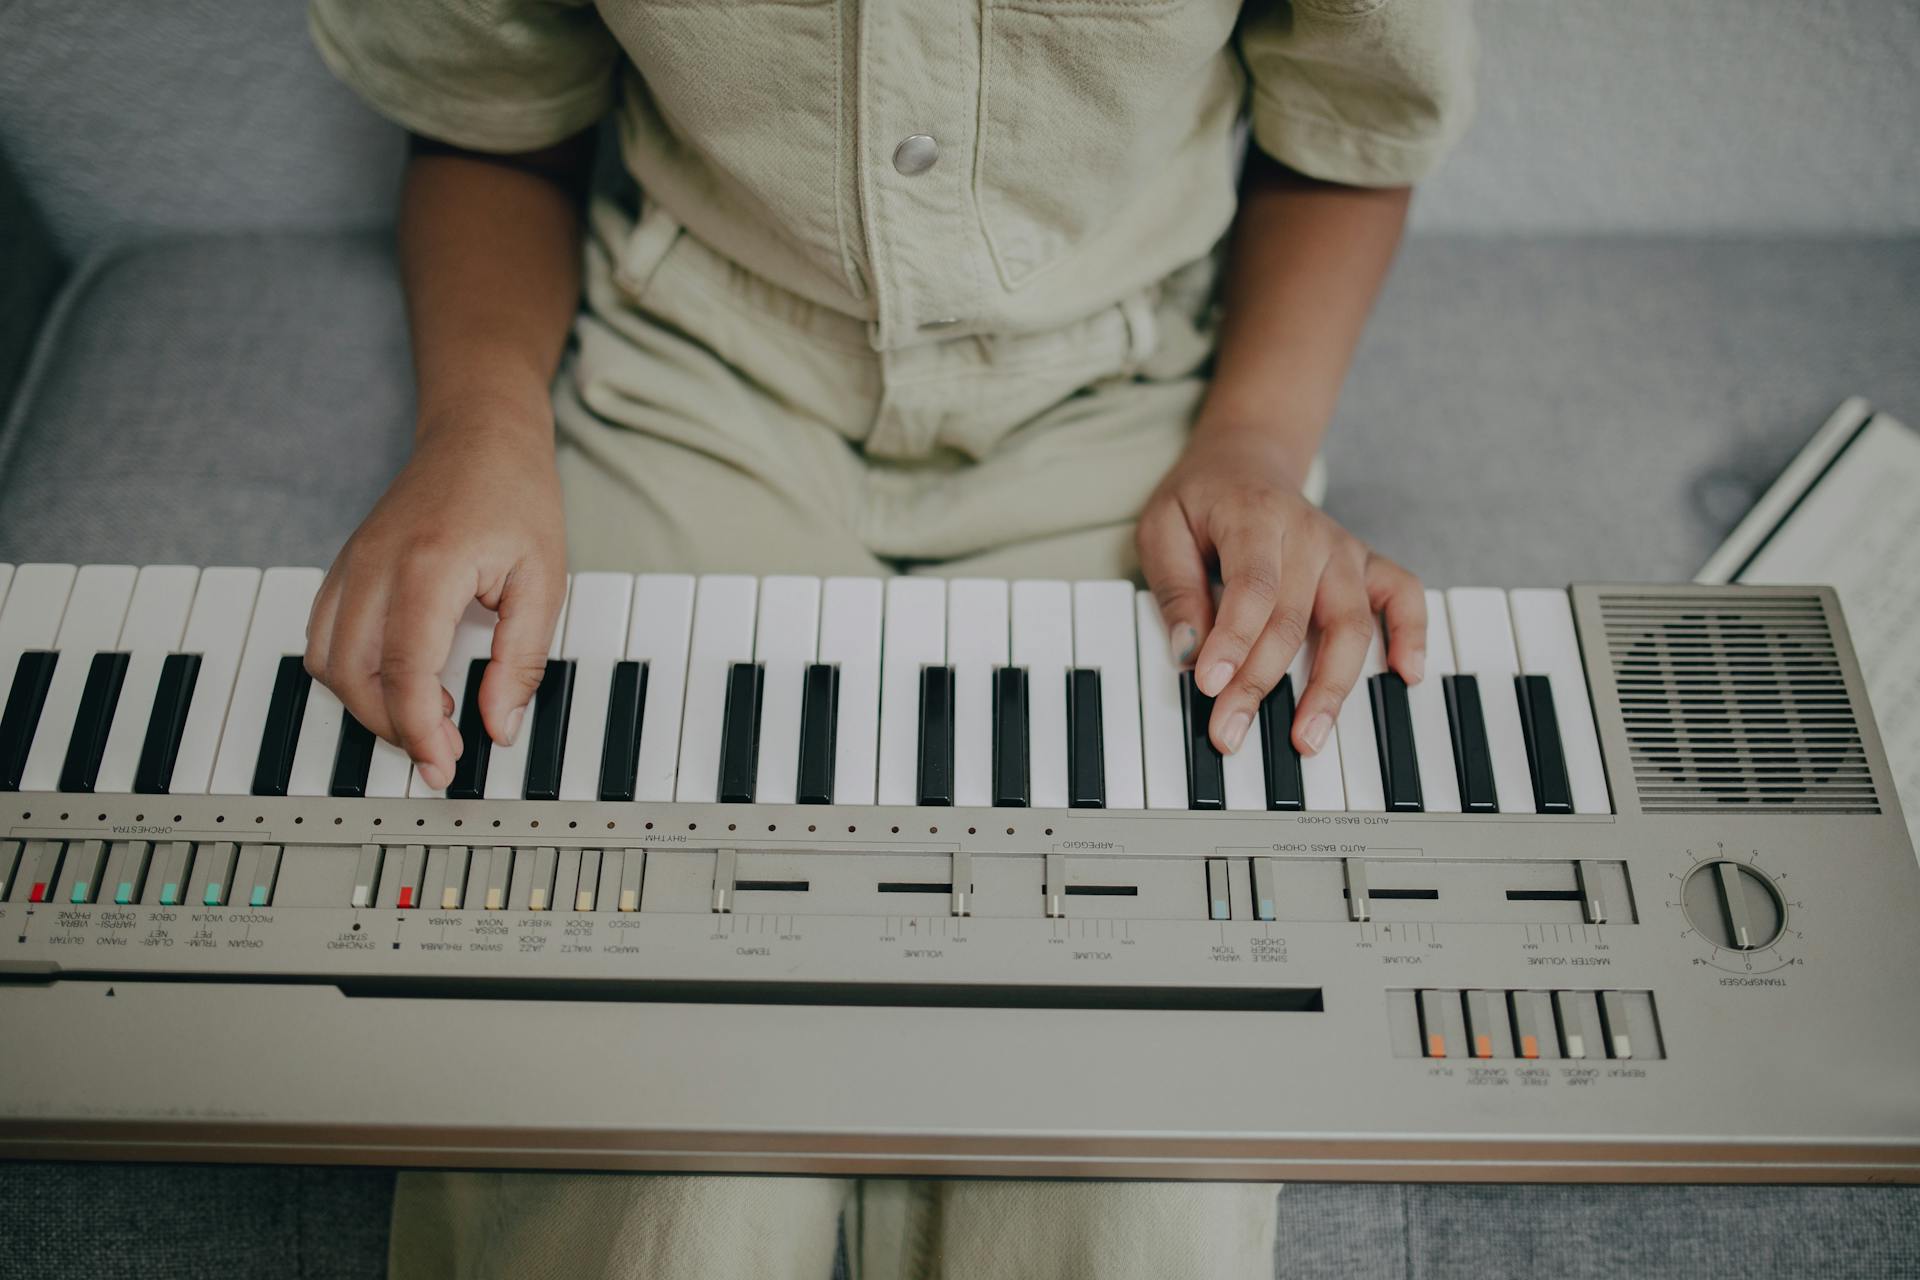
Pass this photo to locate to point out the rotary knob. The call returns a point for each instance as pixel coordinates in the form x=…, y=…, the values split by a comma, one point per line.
x=1733, y=906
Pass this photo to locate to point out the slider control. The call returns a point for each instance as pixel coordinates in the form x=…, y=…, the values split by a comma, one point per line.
x=1056, y=887
x=1263, y=894
x=963, y=884
x=723, y=861
x=1359, y=905
x=1219, y=901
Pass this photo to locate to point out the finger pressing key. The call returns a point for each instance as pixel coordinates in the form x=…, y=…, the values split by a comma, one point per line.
x=1176, y=572
x=427, y=604
x=530, y=605
x=1285, y=632
x=1396, y=594
x=1346, y=629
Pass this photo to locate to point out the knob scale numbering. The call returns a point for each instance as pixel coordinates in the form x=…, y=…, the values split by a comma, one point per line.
x=1733, y=906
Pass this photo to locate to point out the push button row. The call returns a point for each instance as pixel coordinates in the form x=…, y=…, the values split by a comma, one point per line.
x=169, y=873
x=1527, y=1025
x=497, y=878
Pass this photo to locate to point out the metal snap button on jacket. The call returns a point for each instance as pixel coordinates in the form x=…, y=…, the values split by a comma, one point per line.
x=916, y=154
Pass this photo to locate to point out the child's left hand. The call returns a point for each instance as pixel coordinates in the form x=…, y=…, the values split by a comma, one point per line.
x=1232, y=501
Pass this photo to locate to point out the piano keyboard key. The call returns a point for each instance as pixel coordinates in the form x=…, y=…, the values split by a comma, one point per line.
x=1393, y=732
x=1244, y=773
x=851, y=612
x=1104, y=640
x=620, y=743
x=1086, y=757
x=934, y=784
x=658, y=635
x=507, y=773
x=1321, y=783
x=1280, y=762
x=1552, y=792
x=90, y=624
x=155, y=626
x=326, y=748
x=1473, y=762
x=286, y=706
x=819, y=705
x=1206, y=782
x=1359, y=754
x=723, y=616
x=595, y=641
x=29, y=622
x=1427, y=702
x=1012, y=777
x=466, y=665
x=785, y=643
x=915, y=638
x=1042, y=646
x=472, y=770
x=279, y=629
x=1166, y=759
x=217, y=627
x=98, y=702
x=1543, y=629
x=740, y=733
x=1483, y=647
x=546, y=730
x=977, y=646
x=172, y=700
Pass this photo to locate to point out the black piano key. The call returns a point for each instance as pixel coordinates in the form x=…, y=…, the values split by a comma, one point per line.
x=1012, y=769
x=1393, y=735
x=1086, y=746
x=552, y=707
x=936, y=736
x=1472, y=761
x=1206, y=776
x=1285, y=788
x=352, y=758
x=274, y=765
x=166, y=723
x=620, y=750
x=476, y=748
x=740, y=734
x=98, y=701
x=1546, y=761
x=31, y=679
x=819, y=712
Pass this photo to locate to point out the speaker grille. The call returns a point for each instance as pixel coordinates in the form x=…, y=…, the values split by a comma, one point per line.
x=1735, y=702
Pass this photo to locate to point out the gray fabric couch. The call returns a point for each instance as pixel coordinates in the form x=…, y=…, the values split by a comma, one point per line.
x=1679, y=236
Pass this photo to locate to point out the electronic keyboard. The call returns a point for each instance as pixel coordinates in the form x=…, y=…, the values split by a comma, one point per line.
x=910, y=876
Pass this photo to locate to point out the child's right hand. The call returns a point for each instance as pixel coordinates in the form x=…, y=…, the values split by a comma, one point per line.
x=474, y=515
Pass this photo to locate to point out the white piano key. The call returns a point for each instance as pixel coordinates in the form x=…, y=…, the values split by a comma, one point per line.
x=1543, y=628
x=390, y=772
x=915, y=638
x=216, y=630
x=1483, y=648
x=507, y=766
x=784, y=643
x=1245, y=772
x=1104, y=638
x=723, y=609
x=279, y=628
x=96, y=608
x=1427, y=703
x=1043, y=644
x=1359, y=750
x=472, y=638
x=850, y=623
x=30, y=618
x=977, y=644
x=1322, y=786
x=658, y=635
x=6, y=580
x=1162, y=723
x=596, y=638
x=155, y=627
x=319, y=742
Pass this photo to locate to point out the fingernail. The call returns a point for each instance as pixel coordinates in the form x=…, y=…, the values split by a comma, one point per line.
x=513, y=724
x=1215, y=678
x=435, y=777
x=1316, y=732
x=1182, y=643
x=1417, y=667
x=1237, y=730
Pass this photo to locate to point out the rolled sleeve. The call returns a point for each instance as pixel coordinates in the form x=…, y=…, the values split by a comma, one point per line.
x=488, y=75
x=1371, y=93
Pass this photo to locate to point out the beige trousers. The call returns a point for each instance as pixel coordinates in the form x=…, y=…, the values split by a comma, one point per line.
x=709, y=422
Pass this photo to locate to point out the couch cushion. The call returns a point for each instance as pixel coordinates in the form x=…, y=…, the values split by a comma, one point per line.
x=1545, y=411
x=236, y=400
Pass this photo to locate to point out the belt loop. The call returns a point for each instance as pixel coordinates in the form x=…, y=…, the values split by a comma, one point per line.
x=645, y=248
x=1143, y=330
